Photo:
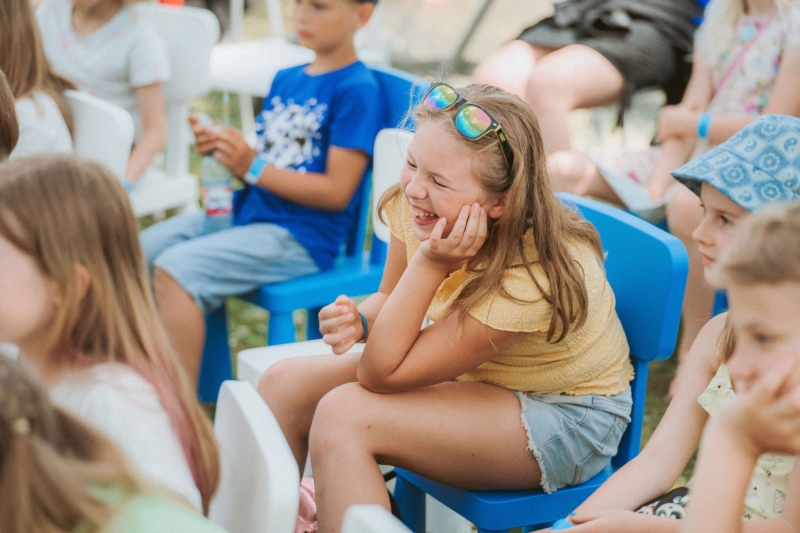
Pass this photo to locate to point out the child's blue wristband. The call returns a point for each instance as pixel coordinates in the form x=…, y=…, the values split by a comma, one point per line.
x=255, y=170
x=703, y=125
x=363, y=327
x=560, y=524
x=127, y=184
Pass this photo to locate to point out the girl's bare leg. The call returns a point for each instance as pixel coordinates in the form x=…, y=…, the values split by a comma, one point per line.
x=684, y=214
x=293, y=387
x=464, y=434
x=572, y=77
x=510, y=67
x=576, y=173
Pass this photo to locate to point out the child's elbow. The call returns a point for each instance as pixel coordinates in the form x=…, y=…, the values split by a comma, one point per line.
x=339, y=202
x=377, y=384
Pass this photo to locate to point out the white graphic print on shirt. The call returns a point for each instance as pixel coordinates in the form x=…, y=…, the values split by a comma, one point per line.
x=286, y=133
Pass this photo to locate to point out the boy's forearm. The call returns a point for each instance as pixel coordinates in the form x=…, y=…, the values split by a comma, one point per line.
x=723, y=471
x=311, y=189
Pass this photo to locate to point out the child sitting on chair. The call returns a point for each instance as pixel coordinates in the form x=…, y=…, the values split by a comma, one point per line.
x=106, y=49
x=316, y=132
x=762, y=275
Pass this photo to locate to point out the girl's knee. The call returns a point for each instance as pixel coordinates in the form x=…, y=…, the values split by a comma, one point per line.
x=272, y=385
x=339, y=417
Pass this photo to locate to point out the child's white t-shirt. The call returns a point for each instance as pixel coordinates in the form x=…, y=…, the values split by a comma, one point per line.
x=41, y=127
x=125, y=407
x=126, y=53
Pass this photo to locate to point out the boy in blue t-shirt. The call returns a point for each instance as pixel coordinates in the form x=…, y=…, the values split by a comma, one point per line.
x=315, y=136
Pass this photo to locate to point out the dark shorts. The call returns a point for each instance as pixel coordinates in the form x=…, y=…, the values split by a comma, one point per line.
x=643, y=55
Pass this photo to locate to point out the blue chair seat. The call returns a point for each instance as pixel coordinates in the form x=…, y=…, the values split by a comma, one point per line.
x=494, y=510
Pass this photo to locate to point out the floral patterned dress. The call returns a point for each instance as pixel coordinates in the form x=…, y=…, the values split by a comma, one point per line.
x=742, y=80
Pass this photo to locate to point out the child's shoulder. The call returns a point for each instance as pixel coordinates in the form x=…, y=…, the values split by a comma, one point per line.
x=353, y=76
x=103, y=388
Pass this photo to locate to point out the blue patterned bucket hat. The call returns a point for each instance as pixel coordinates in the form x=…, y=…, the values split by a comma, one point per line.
x=757, y=166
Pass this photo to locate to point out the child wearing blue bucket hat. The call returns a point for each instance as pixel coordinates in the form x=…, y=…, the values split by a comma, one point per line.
x=758, y=166
x=761, y=273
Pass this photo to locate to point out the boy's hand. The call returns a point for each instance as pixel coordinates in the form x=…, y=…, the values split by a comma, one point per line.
x=232, y=150
x=464, y=241
x=203, y=130
x=340, y=324
x=765, y=417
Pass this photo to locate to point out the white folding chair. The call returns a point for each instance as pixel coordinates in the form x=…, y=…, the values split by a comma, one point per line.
x=260, y=486
x=189, y=33
x=100, y=130
x=248, y=67
x=371, y=519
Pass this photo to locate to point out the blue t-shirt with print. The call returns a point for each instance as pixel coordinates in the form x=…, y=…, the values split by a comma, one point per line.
x=303, y=115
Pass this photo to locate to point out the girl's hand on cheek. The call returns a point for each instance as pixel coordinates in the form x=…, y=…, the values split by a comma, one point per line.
x=464, y=241
x=340, y=324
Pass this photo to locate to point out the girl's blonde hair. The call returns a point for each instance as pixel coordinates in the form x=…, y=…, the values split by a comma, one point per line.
x=22, y=56
x=767, y=250
x=66, y=212
x=720, y=21
x=531, y=208
x=9, y=127
x=50, y=462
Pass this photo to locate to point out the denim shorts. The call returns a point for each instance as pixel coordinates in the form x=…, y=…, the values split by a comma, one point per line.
x=573, y=437
x=226, y=263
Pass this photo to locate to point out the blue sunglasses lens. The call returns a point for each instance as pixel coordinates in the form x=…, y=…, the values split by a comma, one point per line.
x=440, y=97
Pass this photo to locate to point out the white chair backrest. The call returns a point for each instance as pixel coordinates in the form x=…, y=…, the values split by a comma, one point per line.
x=391, y=147
x=100, y=130
x=260, y=486
x=371, y=519
x=189, y=33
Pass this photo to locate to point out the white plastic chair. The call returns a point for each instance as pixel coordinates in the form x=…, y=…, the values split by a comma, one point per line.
x=100, y=130
x=248, y=67
x=371, y=519
x=260, y=486
x=189, y=33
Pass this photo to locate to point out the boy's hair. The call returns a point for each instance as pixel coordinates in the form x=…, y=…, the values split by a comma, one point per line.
x=9, y=127
x=767, y=250
x=50, y=462
x=22, y=56
x=67, y=213
x=531, y=208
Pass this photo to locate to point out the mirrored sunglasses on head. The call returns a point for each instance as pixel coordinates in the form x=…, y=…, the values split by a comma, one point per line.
x=471, y=120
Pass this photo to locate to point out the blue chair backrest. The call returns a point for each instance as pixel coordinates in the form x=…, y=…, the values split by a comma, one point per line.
x=401, y=92
x=647, y=269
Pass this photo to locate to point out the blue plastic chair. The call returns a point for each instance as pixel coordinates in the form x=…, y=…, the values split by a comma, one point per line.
x=357, y=271
x=647, y=269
